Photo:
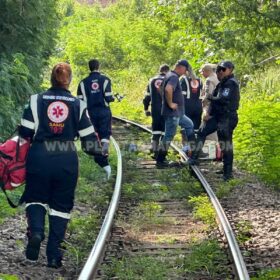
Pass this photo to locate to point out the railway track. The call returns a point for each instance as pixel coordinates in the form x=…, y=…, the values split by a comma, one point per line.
x=166, y=229
x=130, y=242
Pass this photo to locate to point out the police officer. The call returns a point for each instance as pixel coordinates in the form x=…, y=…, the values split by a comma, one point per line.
x=95, y=90
x=224, y=104
x=191, y=89
x=52, y=120
x=153, y=97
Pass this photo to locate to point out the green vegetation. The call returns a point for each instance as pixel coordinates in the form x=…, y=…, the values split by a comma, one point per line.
x=257, y=136
x=138, y=268
x=203, y=209
x=225, y=188
x=174, y=184
x=93, y=191
x=8, y=277
x=27, y=31
x=132, y=38
x=244, y=231
x=82, y=229
x=5, y=209
x=205, y=257
x=271, y=274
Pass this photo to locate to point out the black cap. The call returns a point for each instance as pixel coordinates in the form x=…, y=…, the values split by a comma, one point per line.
x=226, y=64
x=183, y=62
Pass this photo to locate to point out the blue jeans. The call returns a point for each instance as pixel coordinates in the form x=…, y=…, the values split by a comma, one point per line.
x=186, y=126
x=171, y=124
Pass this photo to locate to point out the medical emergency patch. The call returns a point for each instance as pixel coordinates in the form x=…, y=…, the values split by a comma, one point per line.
x=194, y=86
x=58, y=112
x=95, y=86
x=225, y=93
x=158, y=83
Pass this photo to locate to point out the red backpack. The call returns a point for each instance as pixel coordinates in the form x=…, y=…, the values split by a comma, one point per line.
x=13, y=153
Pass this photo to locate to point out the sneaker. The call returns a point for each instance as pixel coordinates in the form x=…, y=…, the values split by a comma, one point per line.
x=33, y=247
x=220, y=172
x=54, y=263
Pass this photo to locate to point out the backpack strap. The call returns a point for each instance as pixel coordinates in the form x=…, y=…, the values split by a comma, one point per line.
x=13, y=205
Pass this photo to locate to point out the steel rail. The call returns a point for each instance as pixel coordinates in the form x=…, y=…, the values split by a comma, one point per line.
x=238, y=260
x=90, y=268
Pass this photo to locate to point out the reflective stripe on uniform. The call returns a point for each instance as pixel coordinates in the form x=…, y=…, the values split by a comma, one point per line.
x=108, y=94
x=86, y=131
x=46, y=206
x=156, y=132
x=104, y=88
x=28, y=124
x=150, y=87
x=34, y=109
x=106, y=82
x=188, y=92
x=105, y=140
x=64, y=215
x=83, y=106
x=83, y=91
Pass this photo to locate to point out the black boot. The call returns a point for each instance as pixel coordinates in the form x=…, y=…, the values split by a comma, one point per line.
x=154, y=149
x=35, y=214
x=195, y=153
x=161, y=155
x=227, y=172
x=57, y=229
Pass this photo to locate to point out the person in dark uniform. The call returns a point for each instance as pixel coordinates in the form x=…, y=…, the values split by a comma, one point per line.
x=224, y=103
x=95, y=90
x=52, y=121
x=191, y=89
x=153, y=97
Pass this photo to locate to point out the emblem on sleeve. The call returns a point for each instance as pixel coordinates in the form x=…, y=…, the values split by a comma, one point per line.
x=58, y=112
x=225, y=93
x=158, y=83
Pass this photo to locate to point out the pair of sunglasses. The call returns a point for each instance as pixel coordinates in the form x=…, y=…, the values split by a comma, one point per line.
x=219, y=69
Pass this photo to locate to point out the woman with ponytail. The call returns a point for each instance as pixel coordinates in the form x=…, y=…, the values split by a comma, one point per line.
x=52, y=120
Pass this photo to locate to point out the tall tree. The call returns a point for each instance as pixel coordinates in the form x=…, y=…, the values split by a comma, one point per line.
x=27, y=32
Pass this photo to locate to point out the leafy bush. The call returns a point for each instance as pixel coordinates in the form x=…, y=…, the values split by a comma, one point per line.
x=27, y=31
x=256, y=138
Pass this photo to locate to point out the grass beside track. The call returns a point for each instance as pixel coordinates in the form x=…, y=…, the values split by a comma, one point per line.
x=147, y=223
